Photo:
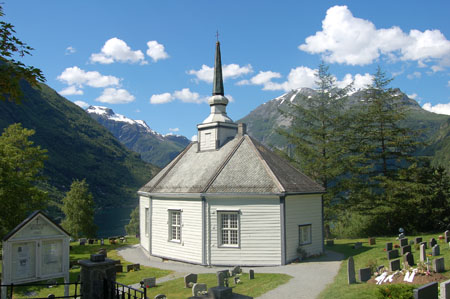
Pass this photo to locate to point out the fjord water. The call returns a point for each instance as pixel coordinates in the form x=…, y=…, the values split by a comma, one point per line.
x=111, y=221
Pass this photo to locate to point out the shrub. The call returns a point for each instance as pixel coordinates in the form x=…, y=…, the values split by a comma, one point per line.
x=399, y=291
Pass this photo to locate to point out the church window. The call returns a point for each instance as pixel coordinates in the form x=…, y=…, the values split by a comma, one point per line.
x=304, y=234
x=175, y=225
x=229, y=229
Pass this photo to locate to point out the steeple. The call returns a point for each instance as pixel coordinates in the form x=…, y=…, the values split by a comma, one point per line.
x=218, y=81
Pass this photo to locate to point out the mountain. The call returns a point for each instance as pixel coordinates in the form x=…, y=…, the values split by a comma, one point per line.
x=263, y=121
x=439, y=147
x=78, y=147
x=136, y=135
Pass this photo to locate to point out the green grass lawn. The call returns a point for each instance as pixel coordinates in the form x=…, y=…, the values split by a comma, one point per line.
x=370, y=254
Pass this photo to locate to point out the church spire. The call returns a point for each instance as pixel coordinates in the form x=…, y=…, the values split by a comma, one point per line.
x=218, y=81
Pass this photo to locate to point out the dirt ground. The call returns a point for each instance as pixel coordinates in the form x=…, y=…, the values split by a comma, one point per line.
x=418, y=278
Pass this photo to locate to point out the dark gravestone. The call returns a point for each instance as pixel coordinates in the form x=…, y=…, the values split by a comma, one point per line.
x=447, y=236
x=432, y=242
x=149, y=282
x=358, y=245
x=427, y=291
x=405, y=249
x=97, y=258
x=136, y=267
x=388, y=246
x=439, y=265
x=394, y=265
x=403, y=242
x=130, y=268
x=372, y=241
x=119, y=268
x=445, y=289
x=236, y=270
x=424, y=243
x=418, y=240
x=189, y=280
x=220, y=279
x=160, y=296
x=251, y=274
x=90, y=241
x=226, y=273
x=364, y=274
x=392, y=254
x=330, y=242
x=408, y=258
x=220, y=293
x=82, y=241
x=436, y=250
x=351, y=270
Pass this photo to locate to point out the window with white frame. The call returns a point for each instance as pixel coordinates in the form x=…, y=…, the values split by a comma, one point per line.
x=229, y=229
x=304, y=234
x=147, y=221
x=175, y=225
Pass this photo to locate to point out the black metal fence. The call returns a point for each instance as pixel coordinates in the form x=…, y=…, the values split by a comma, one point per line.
x=117, y=290
x=10, y=288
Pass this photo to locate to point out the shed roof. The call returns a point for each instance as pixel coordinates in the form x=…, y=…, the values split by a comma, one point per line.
x=242, y=165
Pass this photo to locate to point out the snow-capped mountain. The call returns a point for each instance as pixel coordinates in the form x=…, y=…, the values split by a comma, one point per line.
x=154, y=147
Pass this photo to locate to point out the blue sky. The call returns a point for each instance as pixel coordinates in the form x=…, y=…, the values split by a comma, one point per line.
x=152, y=60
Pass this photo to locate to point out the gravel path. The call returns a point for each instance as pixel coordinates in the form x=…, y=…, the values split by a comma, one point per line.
x=309, y=278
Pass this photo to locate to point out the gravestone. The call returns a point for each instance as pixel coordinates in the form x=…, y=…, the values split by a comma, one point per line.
x=423, y=253
x=394, y=265
x=102, y=251
x=403, y=242
x=364, y=274
x=226, y=273
x=418, y=240
x=351, y=270
x=358, y=245
x=388, y=246
x=119, y=268
x=436, y=250
x=405, y=249
x=149, y=282
x=392, y=254
x=220, y=293
x=83, y=241
x=445, y=290
x=330, y=242
x=136, y=267
x=236, y=270
x=90, y=241
x=429, y=290
x=432, y=242
x=198, y=289
x=160, y=296
x=251, y=274
x=447, y=236
x=190, y=278
x=408, y=258
x=424, y=243
x=379, y=268
x=102, y=241
x=439, y=265
x=220, y=279
x=372, y=241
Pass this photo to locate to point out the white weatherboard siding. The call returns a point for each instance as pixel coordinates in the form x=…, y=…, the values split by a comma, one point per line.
x=144, y=202
x=189, y=249
x=300, y=210
x=259, y=231
x=208, y=139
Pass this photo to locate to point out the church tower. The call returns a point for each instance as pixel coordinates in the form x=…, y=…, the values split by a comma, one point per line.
x=217, y=128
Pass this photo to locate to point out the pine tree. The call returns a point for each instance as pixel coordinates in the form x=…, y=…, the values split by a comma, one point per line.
x=21, y=165
x=78, y=208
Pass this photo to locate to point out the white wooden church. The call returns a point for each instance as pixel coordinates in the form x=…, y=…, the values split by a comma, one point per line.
x=228, y=200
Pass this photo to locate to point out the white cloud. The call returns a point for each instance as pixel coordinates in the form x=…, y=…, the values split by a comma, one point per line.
x=354, y=41
x=299, y=77
x=71, y=90
x=448, y=83
x=82, y=104
x=78, y=77
x=438, y=108
x=161, y=98
x=174, y=129
x=359, y=81
x=194, y=138
x=115, y=96
x=413, y=96
x=414, y=75
x=156, y=51
x=233, y=70
x=117, y=50
x=70, y=50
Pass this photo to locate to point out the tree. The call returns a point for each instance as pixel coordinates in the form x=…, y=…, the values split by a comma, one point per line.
x=13, y=71
x=317, y=133
x=78, y=208
x=21, y=165
x=132, y=228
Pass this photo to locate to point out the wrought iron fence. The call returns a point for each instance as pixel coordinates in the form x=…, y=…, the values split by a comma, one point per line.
x=117, y=290
x=11, y=287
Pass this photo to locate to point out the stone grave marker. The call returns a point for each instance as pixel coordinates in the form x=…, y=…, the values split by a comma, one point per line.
x=394, y=265
x=447, y=236
x=102, y=251
x=423, y=253
x=136, y=267
x=403, y=242
x=102, y=241
x=417, y=240
x=405, y=249
x=220, y=279
x=330, y=242
x=351, y=270
x=160, y=296
x=445, y=289
x=358, y=245
x=190, y=278
x=436, y=250
x=220, y=293
x=129, y=268
x=198, y=289
x=424, y=243
x=432, y=242
x=236, y=270
x=251, y=274
x=372, y=241
x=83, y=241
x=392, y=254
x=408, y=259
x=388, y=246
x=119, y=268
x=90, y=241
x=427, y=291
x=365, y=274
x=439, y=265
x=149, y=282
